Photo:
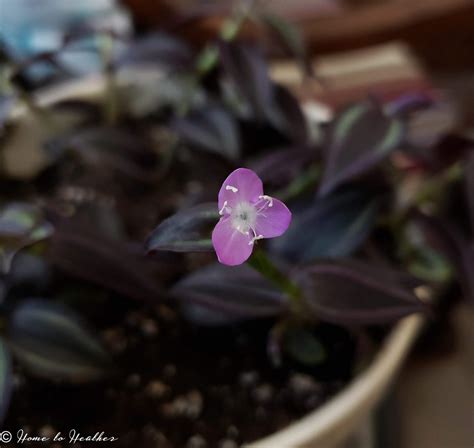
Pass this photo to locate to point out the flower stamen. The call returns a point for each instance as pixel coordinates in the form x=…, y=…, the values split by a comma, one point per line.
x=255, y=238
x=267, y=198
x=224, y=206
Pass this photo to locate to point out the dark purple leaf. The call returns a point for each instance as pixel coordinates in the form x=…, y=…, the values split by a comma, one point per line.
x=282, y=166
x=21, y=225
x=107, y=148
x=362, y=137
x=248, y=71
x=212, y=129
x=187, y=231
x=409, y=103
x=450, y=243
x=448, y=150
x=157, y=49
x=6, y=380
x=287, y=116
x=291, y=38
x=333, y=226
x=236, y=293
x=52, y=341
x=111, y=264
x=356, y=292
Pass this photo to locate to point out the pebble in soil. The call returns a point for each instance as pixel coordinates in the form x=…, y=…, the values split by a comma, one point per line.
x=178, y=386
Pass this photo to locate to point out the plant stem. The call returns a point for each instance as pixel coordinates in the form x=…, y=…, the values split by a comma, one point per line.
x=110, y=104
x=261, y=263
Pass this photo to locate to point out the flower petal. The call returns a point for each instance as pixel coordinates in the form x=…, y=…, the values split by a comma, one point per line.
x=274, y=220
x=241, y=185
x=232, y=247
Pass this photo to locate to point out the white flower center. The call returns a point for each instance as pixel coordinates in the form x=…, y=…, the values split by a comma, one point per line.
x=244, y=217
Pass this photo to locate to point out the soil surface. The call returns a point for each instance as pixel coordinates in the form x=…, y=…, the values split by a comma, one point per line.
x=180, y=386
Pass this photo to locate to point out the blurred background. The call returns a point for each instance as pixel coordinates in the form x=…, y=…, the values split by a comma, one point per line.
x=357, y=47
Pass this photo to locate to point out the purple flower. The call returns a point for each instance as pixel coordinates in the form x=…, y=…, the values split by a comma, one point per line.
x=247, y=216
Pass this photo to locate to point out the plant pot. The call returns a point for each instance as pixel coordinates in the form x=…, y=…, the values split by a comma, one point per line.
x=341, y=415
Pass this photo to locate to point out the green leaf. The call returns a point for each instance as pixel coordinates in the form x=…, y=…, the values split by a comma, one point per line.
x=303, y=346
x=51, y=341
x=5, y=379
x=186, y=231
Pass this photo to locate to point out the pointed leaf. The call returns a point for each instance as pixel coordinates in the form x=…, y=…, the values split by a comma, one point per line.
x=287, y=116
x=51, y=341
x=362, y=137
x=352, y=291
x=291, y=37
x=187, y=231
x=334, y=226
x=279, y=167
x=235, y=293
x=6, y=380
x=111, y=264
x=212, y=129
x=451, y=244
x=248, y=71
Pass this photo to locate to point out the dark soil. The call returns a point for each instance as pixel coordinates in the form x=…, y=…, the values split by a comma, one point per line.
x=177, y=385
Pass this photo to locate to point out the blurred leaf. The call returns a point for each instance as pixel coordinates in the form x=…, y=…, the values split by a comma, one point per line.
x=422, y=260
x=352, y=291
x=287, y=116
x=451, y=244
x=157, y=49
x=279, y=167
x=21, y=225
x=362, y=137
x=188, y=230
x=212, y=129
x=469, y=176
x=236, y=293
x=303, y=346
x=248, y=71
x=333, y=226
x=114, y=265
x=291, y=37
x=448, y=150
x=51, y=341
x=108, y=148
x=6, y=380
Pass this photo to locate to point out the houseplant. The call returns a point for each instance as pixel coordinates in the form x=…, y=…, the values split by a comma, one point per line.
x=191, y=362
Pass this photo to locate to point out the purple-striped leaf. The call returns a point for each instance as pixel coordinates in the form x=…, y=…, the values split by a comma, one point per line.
x=230, y=293
x=362, y=136
x=355, y=292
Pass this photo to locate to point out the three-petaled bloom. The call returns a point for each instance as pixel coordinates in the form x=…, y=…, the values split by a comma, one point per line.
x=247, y=215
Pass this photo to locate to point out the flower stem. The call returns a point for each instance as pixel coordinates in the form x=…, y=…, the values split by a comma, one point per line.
x=261, y=263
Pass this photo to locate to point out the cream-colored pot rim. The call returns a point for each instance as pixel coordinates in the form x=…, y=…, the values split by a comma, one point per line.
x=343, y=413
